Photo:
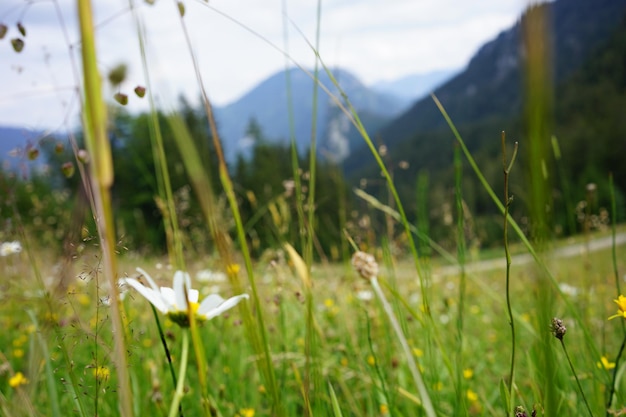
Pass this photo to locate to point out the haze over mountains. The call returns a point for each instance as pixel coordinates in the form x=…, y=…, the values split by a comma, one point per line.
x=396, y=111
x=268, y=104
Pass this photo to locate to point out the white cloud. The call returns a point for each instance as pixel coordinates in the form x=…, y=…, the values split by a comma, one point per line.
x=375, y=40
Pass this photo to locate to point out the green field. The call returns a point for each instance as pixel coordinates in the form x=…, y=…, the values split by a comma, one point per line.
x=394, y=324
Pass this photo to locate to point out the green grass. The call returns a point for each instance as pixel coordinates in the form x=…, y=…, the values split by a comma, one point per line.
x=314, y=338
x=344, y=353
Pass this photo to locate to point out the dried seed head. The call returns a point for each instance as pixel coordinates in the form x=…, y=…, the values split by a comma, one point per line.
x=17, y=44
x=558, y=328
x=140, y=91
x=365, y=265
x=21, y=28
x=121, y=98
x=32, y=153
x=118, y=74
x=83, y=156
x=520, y=411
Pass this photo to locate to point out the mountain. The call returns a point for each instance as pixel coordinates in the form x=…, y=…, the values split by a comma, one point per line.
x=490, y=87
x=415, y=86
x=267, y=104
x=13, y=144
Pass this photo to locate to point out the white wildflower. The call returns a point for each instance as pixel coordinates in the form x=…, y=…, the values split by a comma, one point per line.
x=179, y=301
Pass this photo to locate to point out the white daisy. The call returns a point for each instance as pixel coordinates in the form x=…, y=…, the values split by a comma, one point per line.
x=10, y=248
x=176, y=304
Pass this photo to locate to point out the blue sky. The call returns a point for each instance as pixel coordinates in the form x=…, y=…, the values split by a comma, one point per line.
x=375, y=40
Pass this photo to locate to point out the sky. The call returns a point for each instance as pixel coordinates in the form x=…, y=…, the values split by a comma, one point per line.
x=237, y=43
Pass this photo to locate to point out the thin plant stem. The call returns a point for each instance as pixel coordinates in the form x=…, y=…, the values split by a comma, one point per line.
x=267, y=367
x=167, y=352
x=614, y=241
x=312, y=378
x=170, y=217
x=506, y=168
x=573, y=309
x=614, y=378
x=415, y=372
x=102, y=179
x=379, y=372
x=460, y=407
x=295, y=164
x=178, y=395
x=571, y=366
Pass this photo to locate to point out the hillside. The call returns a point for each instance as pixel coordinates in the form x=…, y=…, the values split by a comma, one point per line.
x=267, y=105
x=489, y=89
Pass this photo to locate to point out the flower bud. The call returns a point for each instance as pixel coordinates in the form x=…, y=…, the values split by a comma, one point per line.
x=3, y=30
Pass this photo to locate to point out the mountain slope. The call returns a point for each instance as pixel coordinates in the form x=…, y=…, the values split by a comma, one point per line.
x=490, y=87
x=267, y=104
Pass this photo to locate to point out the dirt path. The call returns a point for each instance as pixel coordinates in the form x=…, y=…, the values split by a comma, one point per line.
x=568, y=251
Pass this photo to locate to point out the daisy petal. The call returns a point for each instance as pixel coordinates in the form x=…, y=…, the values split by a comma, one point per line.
x=209, y=303
x=149, y=279
x=169, y=298
x=209, y=313
x=153, y=296
x=179, y=290
x=192, y=296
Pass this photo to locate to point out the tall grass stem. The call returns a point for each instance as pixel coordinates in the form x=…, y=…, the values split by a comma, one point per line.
x=102, y=179
x=415, y=372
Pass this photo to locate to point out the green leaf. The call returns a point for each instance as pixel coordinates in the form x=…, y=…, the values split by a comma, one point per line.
x=504, y=395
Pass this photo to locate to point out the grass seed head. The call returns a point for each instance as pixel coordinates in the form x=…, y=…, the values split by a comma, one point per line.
x=365, y=265
x=558, y=328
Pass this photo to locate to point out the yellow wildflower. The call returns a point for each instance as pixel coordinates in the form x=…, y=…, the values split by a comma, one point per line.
x=17, y=380
x=384, y=409
x=233, y=269
x=471, y=395
x=101, y=373
x=605, y=364
x=371, y=360
x=621, y=304
x=468, y=373
x=418, y=352
x=247, y=412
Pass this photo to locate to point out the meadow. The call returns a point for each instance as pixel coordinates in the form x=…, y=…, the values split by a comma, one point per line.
x=391, y=330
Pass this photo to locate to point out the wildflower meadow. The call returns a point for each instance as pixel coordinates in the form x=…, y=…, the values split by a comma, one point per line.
x=248, y=309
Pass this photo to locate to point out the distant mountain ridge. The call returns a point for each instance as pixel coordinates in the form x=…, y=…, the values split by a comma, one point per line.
x=490, y=86
x=267, y=104
x=415, y=86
